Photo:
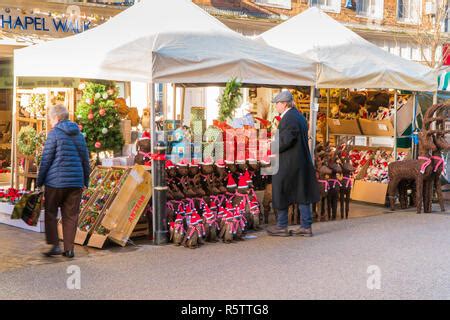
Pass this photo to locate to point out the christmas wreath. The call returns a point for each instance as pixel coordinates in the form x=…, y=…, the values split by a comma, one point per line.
x=26, y=141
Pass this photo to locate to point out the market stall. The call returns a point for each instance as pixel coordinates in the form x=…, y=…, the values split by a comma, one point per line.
x=346, y=60
x=154, y=43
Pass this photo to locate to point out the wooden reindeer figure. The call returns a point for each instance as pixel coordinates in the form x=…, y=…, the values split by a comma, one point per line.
x=241, y=198
x=183, y=181
x=194, y=233
x=419, y=170
x=322, y=172
x=239, y=222
x=346, y=188
x=437, y=161
x=211, y=226
x=227, y=227
x=335, y=187
x=171, y=176
x=220, y=176
x=177, y=231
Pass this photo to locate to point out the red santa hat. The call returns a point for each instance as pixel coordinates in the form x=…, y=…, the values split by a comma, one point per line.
x=221, y=211
x=183, y=163
x=188, y=211
x=193, y=163
x=195, y=219
x=179, y=218
x=229, y=207
x=254, y=204
x=213, y=205
x=220, y=164
x=242, y=182
x=231, y=183
x=247, y=177
x=241, y=207
x=145, y=135
x=169, y=164
x=228, y=215
x=208, y=161
x=172, y=225
x=208, y=214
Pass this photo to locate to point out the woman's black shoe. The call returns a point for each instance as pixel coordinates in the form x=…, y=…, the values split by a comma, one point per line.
x=55, y=251
x=69, y=254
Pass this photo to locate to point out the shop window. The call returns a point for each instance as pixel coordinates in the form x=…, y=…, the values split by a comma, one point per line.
x=409, y=11
x=370, y=8
x=327, y=5
x=284, y=4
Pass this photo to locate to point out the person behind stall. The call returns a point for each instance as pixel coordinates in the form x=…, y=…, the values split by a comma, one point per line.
x=64, y=171
x=295, y=182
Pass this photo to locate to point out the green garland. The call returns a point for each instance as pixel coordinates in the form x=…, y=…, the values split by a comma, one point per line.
x=230, y=99
x=26, y=141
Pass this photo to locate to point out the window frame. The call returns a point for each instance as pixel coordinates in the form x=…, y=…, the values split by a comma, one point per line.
x=409, y=20
x=335, y=8
x=274, y=5
x=378, y=3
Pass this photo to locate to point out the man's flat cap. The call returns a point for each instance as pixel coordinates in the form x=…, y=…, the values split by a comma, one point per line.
x=283, y=96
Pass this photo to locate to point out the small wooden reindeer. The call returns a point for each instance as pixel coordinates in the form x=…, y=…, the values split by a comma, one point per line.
x=335, y=186
x=346, y=188
x=177, y=232
x=227, y=230
x=322, y=172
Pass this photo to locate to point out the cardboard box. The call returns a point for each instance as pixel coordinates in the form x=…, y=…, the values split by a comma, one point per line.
x=125, y=128
x=340, y=126
x=382, y=128
x=372, y=192
x=110, y=162
x=198, y=113
x=170, y=125
x=198, y=127
x=129, y=150
x=124, y=213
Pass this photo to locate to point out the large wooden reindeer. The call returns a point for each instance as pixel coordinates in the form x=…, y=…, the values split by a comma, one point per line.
x=442, y=145
x=420, y=170
x=322, y=172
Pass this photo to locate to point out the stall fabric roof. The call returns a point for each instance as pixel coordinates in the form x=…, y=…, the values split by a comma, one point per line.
x=443, y=81
x=345, y=59
x=164, y=41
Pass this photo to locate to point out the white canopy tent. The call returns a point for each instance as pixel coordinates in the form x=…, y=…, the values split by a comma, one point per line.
x=346, y=60
x=164, y=41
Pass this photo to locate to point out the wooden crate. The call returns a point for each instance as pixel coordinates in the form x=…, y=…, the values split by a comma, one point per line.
x=383, y=128
x=371, y=192
x=340, y=126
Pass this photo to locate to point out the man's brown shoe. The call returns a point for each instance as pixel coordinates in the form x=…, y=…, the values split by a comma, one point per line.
x=278, y=231
x=302, y=232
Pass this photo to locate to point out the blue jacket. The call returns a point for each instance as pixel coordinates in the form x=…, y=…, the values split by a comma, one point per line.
x=65, y=158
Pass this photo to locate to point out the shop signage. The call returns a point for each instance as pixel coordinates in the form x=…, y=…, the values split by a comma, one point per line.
x=9, y=22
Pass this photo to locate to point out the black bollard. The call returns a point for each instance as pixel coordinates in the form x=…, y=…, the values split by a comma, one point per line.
x=160, y=233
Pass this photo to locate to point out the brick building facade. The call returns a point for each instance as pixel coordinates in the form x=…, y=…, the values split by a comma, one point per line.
x=390, y=24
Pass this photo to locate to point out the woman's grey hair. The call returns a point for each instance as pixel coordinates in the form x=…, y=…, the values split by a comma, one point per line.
x=60, y=112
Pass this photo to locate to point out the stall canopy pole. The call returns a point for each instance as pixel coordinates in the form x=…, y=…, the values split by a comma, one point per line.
x=327, y=137
x=435, y=97
x=395, y=124
x=413, y=125
x=183, y=99
x=14, y=136
x=174, y=101
x=313, y=121
x=151, y=104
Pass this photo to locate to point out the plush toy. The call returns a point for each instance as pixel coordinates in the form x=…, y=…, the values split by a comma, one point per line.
x=133, y=116
x=143, y=148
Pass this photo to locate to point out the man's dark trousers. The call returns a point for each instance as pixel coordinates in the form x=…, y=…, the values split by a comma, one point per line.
x=305, y=216
x=68, y=199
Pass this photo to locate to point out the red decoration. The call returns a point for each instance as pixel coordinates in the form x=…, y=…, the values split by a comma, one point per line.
x=98, y=144
x=90, y=116
x=102, y=112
